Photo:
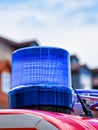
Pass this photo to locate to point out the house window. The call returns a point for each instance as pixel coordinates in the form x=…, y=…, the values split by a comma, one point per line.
x=86, y=81
x=5, y=81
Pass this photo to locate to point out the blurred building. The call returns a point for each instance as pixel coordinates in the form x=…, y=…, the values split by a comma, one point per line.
x=6, y=48
x=5, y=80
x=81, y=74
x=95, y=78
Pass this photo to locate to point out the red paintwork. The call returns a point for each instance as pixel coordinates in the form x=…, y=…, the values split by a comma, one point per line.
x=18, y=129
x=60, y=120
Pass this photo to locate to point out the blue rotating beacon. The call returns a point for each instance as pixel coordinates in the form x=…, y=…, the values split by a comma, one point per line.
x=41, y=79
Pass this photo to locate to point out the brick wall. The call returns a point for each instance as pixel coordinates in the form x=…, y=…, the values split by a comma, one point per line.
x=5, y=67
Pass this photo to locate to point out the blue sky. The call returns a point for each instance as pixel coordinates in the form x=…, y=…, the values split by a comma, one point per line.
x=69, y=24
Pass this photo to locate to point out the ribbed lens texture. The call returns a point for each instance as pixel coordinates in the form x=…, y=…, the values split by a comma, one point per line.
x=41, y=66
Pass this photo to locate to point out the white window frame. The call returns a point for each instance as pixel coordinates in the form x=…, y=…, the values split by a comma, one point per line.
x=5, y=81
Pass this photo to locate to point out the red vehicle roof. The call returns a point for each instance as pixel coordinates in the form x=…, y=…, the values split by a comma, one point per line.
x=44, y=120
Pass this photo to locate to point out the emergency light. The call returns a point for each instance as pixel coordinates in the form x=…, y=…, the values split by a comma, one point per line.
x=41, y=76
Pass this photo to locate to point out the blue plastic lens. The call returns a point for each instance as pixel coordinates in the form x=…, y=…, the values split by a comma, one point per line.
x=41, y=76
x=41, y=66
x=90, y=92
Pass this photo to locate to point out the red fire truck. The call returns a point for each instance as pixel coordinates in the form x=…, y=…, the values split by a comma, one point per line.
x=42, y=96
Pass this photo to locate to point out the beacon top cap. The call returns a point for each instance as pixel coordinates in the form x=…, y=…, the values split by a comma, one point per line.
x=34, y=66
